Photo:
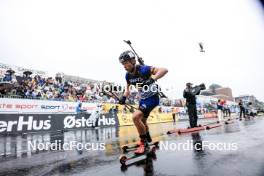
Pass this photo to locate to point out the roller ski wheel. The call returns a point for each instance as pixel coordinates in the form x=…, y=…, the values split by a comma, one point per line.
x=123, y=160
x=125, y=149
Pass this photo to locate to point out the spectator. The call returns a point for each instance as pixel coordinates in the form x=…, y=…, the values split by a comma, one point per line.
x=79, y=108
x=7, y=78
x=242, y=109
x=220, y=110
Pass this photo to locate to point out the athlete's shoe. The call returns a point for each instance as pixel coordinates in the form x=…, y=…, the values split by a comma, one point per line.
x=143, y=146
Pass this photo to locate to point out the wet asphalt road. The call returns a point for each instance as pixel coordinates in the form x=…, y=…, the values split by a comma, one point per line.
x=244, y=141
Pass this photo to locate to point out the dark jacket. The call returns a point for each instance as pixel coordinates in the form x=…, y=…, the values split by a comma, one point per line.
x=189, y=94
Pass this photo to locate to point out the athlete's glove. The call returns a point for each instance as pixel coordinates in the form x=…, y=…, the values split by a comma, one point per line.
x=122, y=101
x=148, y=81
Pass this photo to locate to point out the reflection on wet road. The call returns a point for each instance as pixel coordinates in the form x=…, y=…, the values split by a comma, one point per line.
x=245, y=138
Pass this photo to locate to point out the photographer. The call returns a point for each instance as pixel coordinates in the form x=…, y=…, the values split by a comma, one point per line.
x=189, y=93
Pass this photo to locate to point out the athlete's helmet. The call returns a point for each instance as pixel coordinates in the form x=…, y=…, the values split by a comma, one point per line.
x=126, y=55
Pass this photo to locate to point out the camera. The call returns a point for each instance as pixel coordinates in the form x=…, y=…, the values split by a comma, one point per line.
x=201, y=86
x=198, y=88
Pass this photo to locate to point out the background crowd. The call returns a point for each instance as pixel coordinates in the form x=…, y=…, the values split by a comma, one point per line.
x=47, y=88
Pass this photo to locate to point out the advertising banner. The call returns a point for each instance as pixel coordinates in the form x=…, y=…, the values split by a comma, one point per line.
x=21, y=123
x=158, y=115
x=28, y=106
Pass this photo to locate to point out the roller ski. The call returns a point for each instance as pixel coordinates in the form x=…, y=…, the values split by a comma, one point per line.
x=229, y=121
x=187, y=130
x=195, y=129
x=142, y=150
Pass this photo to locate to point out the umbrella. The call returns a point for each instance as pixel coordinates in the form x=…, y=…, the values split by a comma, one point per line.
x=10, y=71
x=27, y=73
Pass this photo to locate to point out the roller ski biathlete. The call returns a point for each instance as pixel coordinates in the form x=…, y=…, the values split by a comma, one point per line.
x=144, y=79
